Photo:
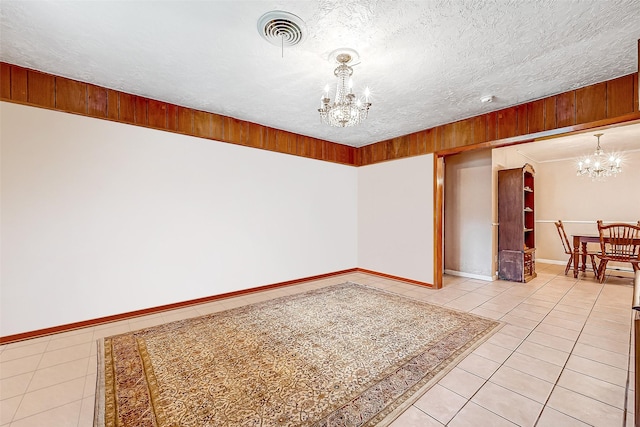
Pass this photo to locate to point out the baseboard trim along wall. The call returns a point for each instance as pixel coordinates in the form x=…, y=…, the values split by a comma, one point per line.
x=137, y=313
x=469, y=275
x=609, y=266
x=389, y=276
x=551, y=261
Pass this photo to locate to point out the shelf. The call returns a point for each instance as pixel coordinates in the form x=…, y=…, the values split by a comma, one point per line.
x=516, y=230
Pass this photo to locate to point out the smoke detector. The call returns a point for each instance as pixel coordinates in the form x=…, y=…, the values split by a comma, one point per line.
x=281, y=28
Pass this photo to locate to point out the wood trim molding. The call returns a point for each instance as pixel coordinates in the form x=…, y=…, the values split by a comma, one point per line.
x=137, y=313
x=626, y=119
x=30, y=87
x=438, y=220
x=389, y=276
x=602, y=104
x=609, y=102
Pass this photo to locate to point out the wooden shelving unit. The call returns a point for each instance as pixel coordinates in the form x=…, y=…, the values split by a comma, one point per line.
x=516, y=219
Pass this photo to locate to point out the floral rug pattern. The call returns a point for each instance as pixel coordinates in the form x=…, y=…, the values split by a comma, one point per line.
x=344, y=355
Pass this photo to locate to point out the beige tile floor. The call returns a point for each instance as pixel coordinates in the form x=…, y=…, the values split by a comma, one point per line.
x=562, y=359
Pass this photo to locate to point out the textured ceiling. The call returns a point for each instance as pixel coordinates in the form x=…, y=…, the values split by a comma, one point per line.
x=619, y=139
x=426, y=62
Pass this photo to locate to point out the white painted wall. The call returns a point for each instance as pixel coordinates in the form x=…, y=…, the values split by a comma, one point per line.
x=100, y=218
x=468, y=215
x=395, y=218
x=580, y=202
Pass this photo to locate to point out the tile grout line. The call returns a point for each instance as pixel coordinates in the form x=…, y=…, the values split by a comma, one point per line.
x=413, y=406
x=512, y=352
x=501, y=364
x=544, y=405
x=575, y=283
x=33, y=374
x=85, y=384
x=47, y=410
x=626, y=389
x=468, y=399
x=567, y=361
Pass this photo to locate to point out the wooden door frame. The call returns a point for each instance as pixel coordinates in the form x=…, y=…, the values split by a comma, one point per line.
x=439, y=172
x=438, y=220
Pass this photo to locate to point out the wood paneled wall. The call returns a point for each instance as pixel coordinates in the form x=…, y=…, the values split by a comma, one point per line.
x=25, y=86
x=563, y=112
x=591, y=104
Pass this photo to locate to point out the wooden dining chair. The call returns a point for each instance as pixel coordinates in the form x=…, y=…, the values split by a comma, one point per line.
x=568, y=249
x=619, y=242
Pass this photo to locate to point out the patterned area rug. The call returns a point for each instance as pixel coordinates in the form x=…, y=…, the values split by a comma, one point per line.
x=344, y=355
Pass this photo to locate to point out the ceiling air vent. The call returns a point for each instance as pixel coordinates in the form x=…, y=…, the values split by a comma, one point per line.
x=281, y=28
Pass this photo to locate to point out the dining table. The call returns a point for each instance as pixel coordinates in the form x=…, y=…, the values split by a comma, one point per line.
x=580, y=241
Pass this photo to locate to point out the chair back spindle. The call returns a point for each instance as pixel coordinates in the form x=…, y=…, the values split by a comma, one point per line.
x=563, y=238
x=569, y=250
x=619, y=242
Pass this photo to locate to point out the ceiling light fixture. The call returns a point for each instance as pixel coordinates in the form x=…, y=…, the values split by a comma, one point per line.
x=346, y=109
x=599, y=166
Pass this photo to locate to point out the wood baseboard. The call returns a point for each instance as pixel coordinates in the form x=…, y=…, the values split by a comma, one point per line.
x=137, y=313
x=389, y=276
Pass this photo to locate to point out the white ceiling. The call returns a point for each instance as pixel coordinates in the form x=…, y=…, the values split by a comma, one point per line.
x=426, y=62
x=619, y=139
